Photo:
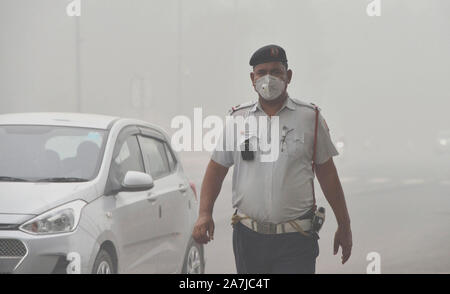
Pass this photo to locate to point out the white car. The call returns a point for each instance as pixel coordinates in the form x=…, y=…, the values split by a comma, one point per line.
x=84, y=193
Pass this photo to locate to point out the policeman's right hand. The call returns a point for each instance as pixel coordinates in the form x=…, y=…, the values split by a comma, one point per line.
x=204, y=229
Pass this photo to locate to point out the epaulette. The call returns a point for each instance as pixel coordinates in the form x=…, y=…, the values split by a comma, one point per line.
x=301, y=103
x=240, y=106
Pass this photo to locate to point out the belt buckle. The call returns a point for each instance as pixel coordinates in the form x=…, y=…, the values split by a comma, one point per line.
x=266, y=228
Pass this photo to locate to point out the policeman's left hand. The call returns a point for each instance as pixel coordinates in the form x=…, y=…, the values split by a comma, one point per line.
x=343, y=238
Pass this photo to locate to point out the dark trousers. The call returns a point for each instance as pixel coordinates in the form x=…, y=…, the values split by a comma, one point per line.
x=288, y=253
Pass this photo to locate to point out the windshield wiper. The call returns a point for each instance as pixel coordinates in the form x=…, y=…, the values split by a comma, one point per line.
x=63, y=179
x=12, y=179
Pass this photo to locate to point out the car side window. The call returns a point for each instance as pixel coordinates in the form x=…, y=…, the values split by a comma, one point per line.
x=170, y=157
x=127, y=158
x=155, y=158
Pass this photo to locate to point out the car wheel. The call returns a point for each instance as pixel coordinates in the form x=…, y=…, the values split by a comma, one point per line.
x=103, y=264
x=194, y=262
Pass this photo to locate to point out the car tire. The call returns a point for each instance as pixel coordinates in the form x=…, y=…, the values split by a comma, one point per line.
x=194, y=261
x=103, y=263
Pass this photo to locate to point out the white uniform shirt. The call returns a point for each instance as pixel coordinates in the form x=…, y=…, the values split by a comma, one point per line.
x=281, y=190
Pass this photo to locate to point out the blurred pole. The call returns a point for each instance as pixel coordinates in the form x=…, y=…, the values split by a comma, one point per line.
x=179, y=103
x=78, y=63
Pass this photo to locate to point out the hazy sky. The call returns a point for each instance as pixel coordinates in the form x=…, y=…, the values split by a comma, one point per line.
x=380, y=79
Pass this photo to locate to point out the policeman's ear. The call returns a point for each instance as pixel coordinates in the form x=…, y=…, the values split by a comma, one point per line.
x=289, y=76
x=252, y=77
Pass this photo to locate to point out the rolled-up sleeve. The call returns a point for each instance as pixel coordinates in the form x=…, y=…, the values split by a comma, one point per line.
x=325, y=146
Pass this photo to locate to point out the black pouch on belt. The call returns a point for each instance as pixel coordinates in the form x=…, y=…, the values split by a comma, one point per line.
x=318, y=219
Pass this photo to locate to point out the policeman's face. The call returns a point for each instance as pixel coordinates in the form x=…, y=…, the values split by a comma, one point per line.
x=274, y=68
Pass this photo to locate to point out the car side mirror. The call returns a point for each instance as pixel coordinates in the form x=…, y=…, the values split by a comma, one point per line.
x=137, y=181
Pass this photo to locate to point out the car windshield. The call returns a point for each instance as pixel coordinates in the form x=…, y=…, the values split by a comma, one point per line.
x=30, y=153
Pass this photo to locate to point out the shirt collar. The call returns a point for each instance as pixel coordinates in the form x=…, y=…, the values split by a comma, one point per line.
x=255, y=106
x=288, y=103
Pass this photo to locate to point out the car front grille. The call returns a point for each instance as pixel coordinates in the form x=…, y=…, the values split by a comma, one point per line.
x=12, y=252
x=12, y=248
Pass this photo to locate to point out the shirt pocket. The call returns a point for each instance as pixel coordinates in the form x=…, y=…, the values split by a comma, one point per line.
x=295, y=144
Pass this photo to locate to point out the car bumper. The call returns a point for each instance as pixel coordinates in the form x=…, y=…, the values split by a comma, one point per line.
x=46, y=254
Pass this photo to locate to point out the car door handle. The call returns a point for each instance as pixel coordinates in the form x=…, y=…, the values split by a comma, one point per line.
x=182, y=187
x=151, y=198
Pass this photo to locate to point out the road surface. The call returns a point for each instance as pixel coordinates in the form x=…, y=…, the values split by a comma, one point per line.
x=401, y=211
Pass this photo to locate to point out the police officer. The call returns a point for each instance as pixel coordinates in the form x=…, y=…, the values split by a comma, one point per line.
x=274, y=201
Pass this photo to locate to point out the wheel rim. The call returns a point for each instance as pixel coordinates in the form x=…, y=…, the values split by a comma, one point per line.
x=104, y=268
x=194, y=262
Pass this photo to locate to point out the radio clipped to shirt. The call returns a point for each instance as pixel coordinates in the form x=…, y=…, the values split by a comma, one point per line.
x=247, y=154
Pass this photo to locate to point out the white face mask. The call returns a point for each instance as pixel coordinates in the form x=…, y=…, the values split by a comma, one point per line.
x=270, y=87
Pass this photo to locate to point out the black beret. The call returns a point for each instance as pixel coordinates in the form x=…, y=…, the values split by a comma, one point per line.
x=268, y=53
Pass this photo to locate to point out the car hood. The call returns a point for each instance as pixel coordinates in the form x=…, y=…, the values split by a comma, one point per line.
x=18, y=200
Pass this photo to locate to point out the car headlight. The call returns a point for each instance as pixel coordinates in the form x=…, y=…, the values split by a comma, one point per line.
x=62, y=219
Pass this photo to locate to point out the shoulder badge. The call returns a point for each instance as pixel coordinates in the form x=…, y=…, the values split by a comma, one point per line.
x=315, y=106
x=240, y=106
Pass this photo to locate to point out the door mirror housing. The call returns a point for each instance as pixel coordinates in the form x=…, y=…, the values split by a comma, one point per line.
x=137, y=181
